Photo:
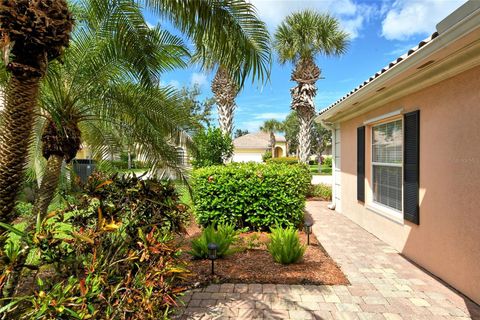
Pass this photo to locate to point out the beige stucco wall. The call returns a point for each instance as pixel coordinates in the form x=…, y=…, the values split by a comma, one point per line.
x=447, y=241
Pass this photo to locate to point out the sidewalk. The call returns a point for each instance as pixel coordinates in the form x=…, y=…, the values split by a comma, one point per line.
x=384, y=285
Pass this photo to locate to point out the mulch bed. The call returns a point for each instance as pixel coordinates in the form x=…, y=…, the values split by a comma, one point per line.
x=256, y=265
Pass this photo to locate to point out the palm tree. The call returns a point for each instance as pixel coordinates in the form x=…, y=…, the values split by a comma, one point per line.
x=271, y=126
x=33, y=33
x=208, y=23
x=87, y=94
x=249, y=46
x=299, y=39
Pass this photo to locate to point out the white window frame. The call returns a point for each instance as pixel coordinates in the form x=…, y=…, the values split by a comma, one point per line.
x=377, y=207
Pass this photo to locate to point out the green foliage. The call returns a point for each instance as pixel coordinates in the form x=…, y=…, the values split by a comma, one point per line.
x=284, y=160
x=327, y=161
x=200, y=111
x=239, y=132
x=267, y=155
x=251, y=195
x=285, y=246
x=320, y=136
x=23, y=209
x=306, y=34
x=322, y=191
x=110, y=256
x=224, y=235
x=213, y=148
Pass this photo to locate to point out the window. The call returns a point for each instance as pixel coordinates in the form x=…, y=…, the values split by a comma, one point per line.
x=387, y=158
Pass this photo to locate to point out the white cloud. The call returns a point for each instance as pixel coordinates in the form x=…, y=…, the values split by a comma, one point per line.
x=407, y=18
x=199, y=79
x=271, y=115
x=352, y=16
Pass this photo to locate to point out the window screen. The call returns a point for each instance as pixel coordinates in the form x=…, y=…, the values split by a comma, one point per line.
x=387, y=140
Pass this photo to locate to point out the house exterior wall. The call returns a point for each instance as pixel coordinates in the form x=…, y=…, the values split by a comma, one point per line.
x=247, y=155
x=252, y=154
x=447, y=241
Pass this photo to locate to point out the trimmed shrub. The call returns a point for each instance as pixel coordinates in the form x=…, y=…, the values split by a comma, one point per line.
x=284, y=160
x=252, y=195
x=285, y=246
x=223, y=236
x=322, y=191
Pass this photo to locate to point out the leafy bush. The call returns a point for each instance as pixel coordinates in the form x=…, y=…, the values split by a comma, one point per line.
x=111, y=256
x=285, y=246
x=322, y=191
x=213, y=148
x=23, y=209
x=283, y=160
x=223, y=236
x=327, y=161
x=267, y=155
x=251, y=195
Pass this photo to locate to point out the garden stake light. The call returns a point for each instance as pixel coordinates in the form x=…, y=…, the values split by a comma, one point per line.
x=212, y=254
x=308, y=229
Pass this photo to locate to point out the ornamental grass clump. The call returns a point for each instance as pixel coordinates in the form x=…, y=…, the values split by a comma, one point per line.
x=285, y=246
x=223, y=236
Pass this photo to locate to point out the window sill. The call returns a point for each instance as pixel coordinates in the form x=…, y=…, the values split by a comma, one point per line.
x=385, y=212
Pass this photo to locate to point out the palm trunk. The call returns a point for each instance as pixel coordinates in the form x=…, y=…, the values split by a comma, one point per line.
x=15, y=139
x=304, y=135
x=225, y=91
x=272, y=143
x=306, y=73
x=49, y=185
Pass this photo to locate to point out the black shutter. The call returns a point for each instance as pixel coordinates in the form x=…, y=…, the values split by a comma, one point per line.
x=361, y=164
x=411, y=166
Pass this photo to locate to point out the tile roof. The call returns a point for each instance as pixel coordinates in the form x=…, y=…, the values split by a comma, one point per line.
x=256, y=140
x=384, y=69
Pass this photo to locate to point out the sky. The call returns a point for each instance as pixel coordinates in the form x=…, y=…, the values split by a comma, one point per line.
x=380, y=31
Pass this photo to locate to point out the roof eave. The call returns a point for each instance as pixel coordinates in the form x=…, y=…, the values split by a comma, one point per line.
x=361, y=97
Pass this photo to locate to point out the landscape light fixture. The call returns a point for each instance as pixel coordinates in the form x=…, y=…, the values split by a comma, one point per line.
x=212, y=254
x=308, y=229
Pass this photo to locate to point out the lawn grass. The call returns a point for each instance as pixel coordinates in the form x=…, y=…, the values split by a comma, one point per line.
x=324, y=170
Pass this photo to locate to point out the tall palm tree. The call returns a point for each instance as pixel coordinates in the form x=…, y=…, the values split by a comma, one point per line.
x=249, y=50
x=271, y=126
x=33, y=33
x=299, y=39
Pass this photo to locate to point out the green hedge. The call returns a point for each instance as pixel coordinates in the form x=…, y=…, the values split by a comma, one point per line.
x=285, y=160
x=251, y=195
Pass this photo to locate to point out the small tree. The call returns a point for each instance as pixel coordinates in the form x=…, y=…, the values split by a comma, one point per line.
x=213, y=148
x=240, y=132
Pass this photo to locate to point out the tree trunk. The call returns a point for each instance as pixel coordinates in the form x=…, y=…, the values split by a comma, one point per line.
x=304, y=135
x=49, y=185
x=272, y=143
x=225, y=91
x=306, y=73
x=15, y=138
x=129, y=160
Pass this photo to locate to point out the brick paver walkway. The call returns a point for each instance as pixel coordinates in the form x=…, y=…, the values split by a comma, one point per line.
x=384, y=285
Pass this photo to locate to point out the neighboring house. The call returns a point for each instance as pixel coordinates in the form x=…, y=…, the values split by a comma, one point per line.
x=252, y=146
x=406, y=146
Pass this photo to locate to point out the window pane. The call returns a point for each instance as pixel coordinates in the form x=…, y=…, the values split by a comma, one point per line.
x=387, y=142
x=387, y=186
